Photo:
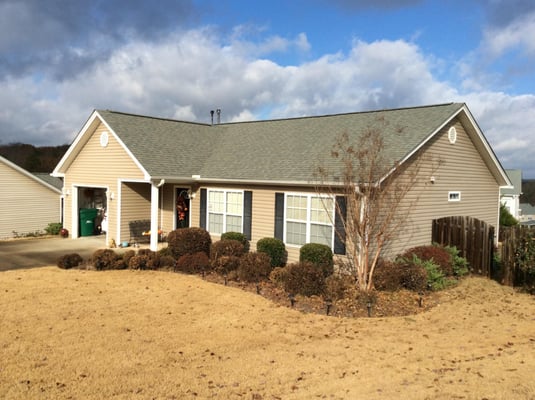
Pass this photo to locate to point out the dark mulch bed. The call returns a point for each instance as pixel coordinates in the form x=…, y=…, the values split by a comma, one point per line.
x=355, y=305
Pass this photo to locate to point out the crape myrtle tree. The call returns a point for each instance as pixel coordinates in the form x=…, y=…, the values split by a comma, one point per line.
x=379, y=194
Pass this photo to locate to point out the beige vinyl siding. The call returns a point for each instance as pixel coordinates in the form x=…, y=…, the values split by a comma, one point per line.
x=99, y=166
x=135, y=205
x=26, y=205
x=462, y=170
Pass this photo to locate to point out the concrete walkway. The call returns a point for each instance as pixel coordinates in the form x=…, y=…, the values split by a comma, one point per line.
x=38, y=252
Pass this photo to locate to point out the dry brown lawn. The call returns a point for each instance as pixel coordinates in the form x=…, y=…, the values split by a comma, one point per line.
x=157, y=335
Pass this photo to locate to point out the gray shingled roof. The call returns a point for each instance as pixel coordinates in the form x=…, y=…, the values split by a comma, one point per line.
x=285, y=150
x=51, y=180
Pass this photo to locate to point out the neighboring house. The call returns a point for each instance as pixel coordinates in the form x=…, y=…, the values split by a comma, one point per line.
x=510, y=197
x=527, y=217
x=258, y=177
x=28, y=202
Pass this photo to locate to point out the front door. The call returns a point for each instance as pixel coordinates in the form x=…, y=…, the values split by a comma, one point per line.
x=182, y=208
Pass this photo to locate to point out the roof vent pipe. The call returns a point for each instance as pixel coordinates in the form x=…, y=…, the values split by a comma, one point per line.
x=218, y=111
x=212, y=116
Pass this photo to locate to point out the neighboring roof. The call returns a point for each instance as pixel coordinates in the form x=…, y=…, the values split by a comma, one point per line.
x=32, y=176
x=515, y=176
x=51, y=180
x=278, y=151
x=527, y=209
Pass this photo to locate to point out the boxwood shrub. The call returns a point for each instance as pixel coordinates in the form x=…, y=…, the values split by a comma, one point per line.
x=318, y=254
x=274, y=248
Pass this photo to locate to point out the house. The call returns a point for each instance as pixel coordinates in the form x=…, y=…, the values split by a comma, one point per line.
x=510, y=197
x=29, y=202
x=258, y=177
x=527, y=215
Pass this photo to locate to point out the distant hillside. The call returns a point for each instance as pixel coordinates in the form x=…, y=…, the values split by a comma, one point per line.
x=528, y=191
x=31, y=158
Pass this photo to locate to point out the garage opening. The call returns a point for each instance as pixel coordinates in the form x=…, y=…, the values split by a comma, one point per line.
x=92, y=205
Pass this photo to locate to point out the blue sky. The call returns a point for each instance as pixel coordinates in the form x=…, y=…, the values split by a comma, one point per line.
x=61, y=59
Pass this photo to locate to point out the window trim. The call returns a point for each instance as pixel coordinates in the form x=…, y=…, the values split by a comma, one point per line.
x=454, y=196
x=225, y=213
x=308, y=221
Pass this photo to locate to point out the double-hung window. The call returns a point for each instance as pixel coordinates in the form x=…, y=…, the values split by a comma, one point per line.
x=309, y=219
x=225, y=211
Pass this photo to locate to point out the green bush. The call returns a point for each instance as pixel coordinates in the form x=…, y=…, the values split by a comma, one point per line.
x=318, y=254
x=240, y=237
x=274, y=248
x=254, y=267
x=69, y=261
x=195, y=263
x=461, y=267
x=189, y=241
x=435, y=278
x=303, y=278
x=104, y=259
x=53, y=228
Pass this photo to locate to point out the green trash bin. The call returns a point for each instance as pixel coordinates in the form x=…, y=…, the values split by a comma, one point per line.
x=87, y=221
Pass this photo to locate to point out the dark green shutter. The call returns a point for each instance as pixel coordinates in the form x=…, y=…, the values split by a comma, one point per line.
x=340, y=233
x=247, y=213
x=202, y=221
x=279, y=216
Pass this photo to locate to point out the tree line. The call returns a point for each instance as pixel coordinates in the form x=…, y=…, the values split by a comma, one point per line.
x=32, y=158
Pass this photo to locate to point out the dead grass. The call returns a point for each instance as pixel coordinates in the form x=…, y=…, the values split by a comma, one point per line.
x=155, y=335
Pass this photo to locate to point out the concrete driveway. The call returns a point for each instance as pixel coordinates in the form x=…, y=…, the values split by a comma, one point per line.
x=38, y=252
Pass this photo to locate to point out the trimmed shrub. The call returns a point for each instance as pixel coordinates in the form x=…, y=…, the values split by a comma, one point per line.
x=226, y=247
x=414, y=277
x=104, y=259
x=193, y=263
x=69, y=261
x=254, y=267
x=145, y=259
x=240, y=237
x=387, y=276
x=435, y=253
x=53, y=228
x=165, y=251
x=274, y=248
x=167, y=262
x=127, y=255
x=318, y=254
x=188, y=241
x=336, y=286
x=303, y=278
x=226, y=264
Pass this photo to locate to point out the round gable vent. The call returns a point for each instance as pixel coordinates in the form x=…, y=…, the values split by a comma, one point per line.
x=104, y=139
x=452, y=135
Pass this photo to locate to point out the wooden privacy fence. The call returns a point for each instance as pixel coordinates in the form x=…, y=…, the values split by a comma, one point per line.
x=472, y=237
x=513, y=240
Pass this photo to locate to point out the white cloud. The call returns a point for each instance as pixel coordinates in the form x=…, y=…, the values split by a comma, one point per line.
x=185, y=76
x=519, y=33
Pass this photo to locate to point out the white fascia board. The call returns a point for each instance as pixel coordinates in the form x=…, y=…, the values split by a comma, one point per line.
x=81, y=134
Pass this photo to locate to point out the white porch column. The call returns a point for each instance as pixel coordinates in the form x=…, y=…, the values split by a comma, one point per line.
x=154, y=201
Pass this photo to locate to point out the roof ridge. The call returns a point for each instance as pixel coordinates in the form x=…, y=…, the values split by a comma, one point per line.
x=340, y=114
x=153, y=117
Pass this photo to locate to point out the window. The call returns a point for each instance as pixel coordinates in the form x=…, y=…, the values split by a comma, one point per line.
x=308, y=219
x=225, y=211
x=454, y=196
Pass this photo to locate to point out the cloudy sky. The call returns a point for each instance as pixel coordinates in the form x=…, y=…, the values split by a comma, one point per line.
x=61, y=59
